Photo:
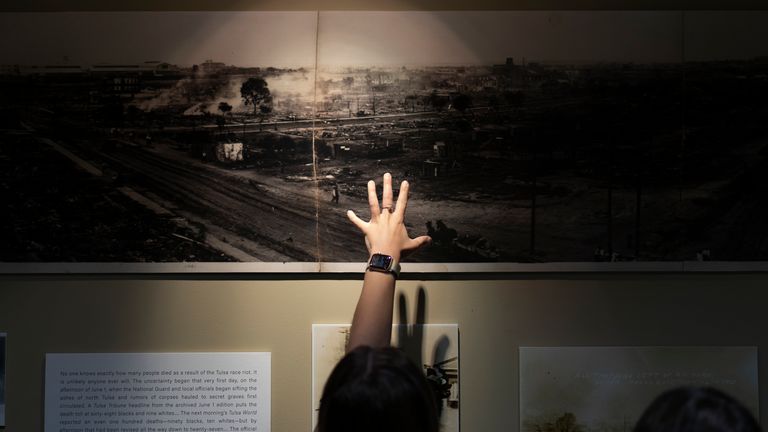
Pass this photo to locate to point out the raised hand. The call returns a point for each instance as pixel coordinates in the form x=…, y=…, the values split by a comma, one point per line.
x=385, y=232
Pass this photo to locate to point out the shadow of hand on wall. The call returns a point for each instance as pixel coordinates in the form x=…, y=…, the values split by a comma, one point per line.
x=410, y=338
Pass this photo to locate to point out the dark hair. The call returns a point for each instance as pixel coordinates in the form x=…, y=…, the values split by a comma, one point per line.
x=696, y=409
x=377, y=390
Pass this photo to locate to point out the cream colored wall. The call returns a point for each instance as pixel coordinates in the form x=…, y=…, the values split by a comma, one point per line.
x=67, y=314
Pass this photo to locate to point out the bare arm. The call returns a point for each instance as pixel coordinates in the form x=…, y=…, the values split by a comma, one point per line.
x=385, y=233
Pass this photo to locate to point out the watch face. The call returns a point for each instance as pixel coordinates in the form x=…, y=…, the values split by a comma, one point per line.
x=381, y=261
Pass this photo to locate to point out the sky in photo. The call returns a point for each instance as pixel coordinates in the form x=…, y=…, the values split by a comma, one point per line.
x=394, y=38
x=285, y=39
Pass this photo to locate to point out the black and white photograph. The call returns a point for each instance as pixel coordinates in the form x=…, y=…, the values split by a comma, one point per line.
x=527, y=136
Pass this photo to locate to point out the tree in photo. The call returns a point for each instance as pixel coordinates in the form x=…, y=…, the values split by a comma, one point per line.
x=255, y=93
x=564, y=423
x=225, y=108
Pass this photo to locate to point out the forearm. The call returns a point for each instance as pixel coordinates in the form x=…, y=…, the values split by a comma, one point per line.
x=372, y=322
x=387, y=241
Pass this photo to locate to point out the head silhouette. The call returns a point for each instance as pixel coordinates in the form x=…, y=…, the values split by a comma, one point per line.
x=696, y=409
x=377, y=390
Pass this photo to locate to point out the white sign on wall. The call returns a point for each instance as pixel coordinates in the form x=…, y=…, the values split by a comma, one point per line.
x=158, y=392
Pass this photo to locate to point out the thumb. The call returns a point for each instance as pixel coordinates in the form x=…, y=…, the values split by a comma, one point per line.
x=419, y=242
x=361, y=224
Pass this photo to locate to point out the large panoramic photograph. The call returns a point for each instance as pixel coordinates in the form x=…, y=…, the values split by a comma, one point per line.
x=243, y=137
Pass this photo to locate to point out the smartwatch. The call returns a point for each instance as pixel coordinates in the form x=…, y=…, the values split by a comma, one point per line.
x=385, y=264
